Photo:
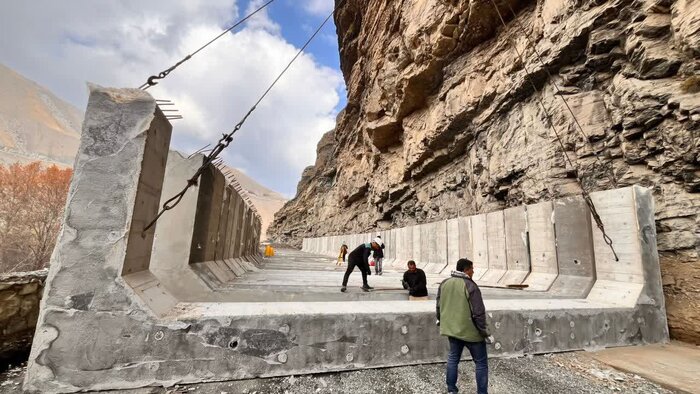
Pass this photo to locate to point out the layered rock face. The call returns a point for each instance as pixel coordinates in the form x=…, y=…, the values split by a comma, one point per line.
x=449, y=114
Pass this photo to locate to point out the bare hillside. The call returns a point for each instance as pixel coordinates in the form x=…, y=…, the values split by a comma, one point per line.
x=37, y=125
x=34, y=123
x=266, y=201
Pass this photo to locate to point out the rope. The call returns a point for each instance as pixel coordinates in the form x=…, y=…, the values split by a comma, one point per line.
x=585, y=194
x=227, y=138
x=151, y=81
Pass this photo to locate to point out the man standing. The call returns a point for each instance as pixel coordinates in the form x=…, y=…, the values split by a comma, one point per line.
x=360, y=258
x=414, y=281
x=462, y=319
x=378, y=255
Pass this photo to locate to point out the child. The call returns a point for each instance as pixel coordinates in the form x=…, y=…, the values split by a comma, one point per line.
x=341, y=256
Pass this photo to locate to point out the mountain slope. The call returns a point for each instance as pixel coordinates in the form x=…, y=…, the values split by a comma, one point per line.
x=34, y=123
x=267, y=202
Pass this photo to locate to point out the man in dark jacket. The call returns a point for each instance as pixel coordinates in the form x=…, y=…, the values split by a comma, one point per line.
x=360, y=258
x=378, y=255
x=414, y=281
x=462, y=319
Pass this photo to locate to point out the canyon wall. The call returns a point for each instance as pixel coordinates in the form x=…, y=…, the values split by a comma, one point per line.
x=451, y=113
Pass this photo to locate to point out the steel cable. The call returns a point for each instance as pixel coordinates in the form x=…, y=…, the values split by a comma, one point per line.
x=227, y=138
x=151, y=81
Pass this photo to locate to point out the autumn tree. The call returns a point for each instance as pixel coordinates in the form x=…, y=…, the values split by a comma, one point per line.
x=32, y=200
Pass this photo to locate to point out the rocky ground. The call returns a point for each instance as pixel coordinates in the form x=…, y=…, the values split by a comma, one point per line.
x=558, y=373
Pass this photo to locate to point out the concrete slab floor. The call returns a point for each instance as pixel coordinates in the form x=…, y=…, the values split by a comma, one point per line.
x=675, y=365
x=293, y=276
x=559, y=373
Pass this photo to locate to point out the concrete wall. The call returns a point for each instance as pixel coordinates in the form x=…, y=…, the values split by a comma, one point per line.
x=20, y=294
x=226, y=230
x=101, y=277
x=228, y=234
x=550, y=247
x=99, y=329
x=554, y=248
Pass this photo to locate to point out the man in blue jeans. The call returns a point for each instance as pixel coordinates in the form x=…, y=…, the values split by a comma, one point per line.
x=462, y=319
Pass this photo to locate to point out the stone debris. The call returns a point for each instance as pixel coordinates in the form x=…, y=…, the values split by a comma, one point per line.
x=560, y=373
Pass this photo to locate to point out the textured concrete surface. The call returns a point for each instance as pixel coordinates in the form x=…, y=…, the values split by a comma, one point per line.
x=674, y=365
x=543, y=252
x=587, y=292
x=517, y=245
x=93, y=321
x=20, y=294
x=549, y=374
x=468, y=135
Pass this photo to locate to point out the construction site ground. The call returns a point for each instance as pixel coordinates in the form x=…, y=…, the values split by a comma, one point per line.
x=672, y=368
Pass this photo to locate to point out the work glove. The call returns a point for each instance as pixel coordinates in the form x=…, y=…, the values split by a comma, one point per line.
x=437, y=323
x=489, y=339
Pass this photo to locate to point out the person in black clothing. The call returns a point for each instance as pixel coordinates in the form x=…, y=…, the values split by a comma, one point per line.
x=360, y=258
x=414, y=281
x=379, y=256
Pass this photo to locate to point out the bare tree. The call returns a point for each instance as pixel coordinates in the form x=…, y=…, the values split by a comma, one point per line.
x=32, y=200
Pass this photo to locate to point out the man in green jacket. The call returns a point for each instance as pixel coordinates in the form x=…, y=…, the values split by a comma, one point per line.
x=462, y=319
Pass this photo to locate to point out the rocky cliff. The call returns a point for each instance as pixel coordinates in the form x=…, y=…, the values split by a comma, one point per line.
x=448, y=114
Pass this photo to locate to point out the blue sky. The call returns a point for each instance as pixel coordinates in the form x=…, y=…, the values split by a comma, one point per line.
x=120, y=43
x=297, y=25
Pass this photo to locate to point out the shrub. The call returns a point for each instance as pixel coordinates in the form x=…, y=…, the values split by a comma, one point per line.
x=32, y=201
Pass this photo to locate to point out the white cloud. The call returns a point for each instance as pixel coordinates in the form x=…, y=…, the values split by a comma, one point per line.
x=319, y=7
x=122, y=43
x=261, y=20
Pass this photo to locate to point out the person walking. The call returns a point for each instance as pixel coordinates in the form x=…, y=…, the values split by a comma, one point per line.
x=415, y=282
x=461, y=316
x=360, y=258
x=343, y=253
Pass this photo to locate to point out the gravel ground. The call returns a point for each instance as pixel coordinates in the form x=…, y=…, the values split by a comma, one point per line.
x=556, y=374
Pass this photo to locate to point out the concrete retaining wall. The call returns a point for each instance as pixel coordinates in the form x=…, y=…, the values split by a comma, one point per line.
x=108, y=322
x=199, y=246
x=106, y=272
x=225, y=226
x=550, y=246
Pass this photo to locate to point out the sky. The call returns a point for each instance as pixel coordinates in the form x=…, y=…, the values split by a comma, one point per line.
x=63, y=44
